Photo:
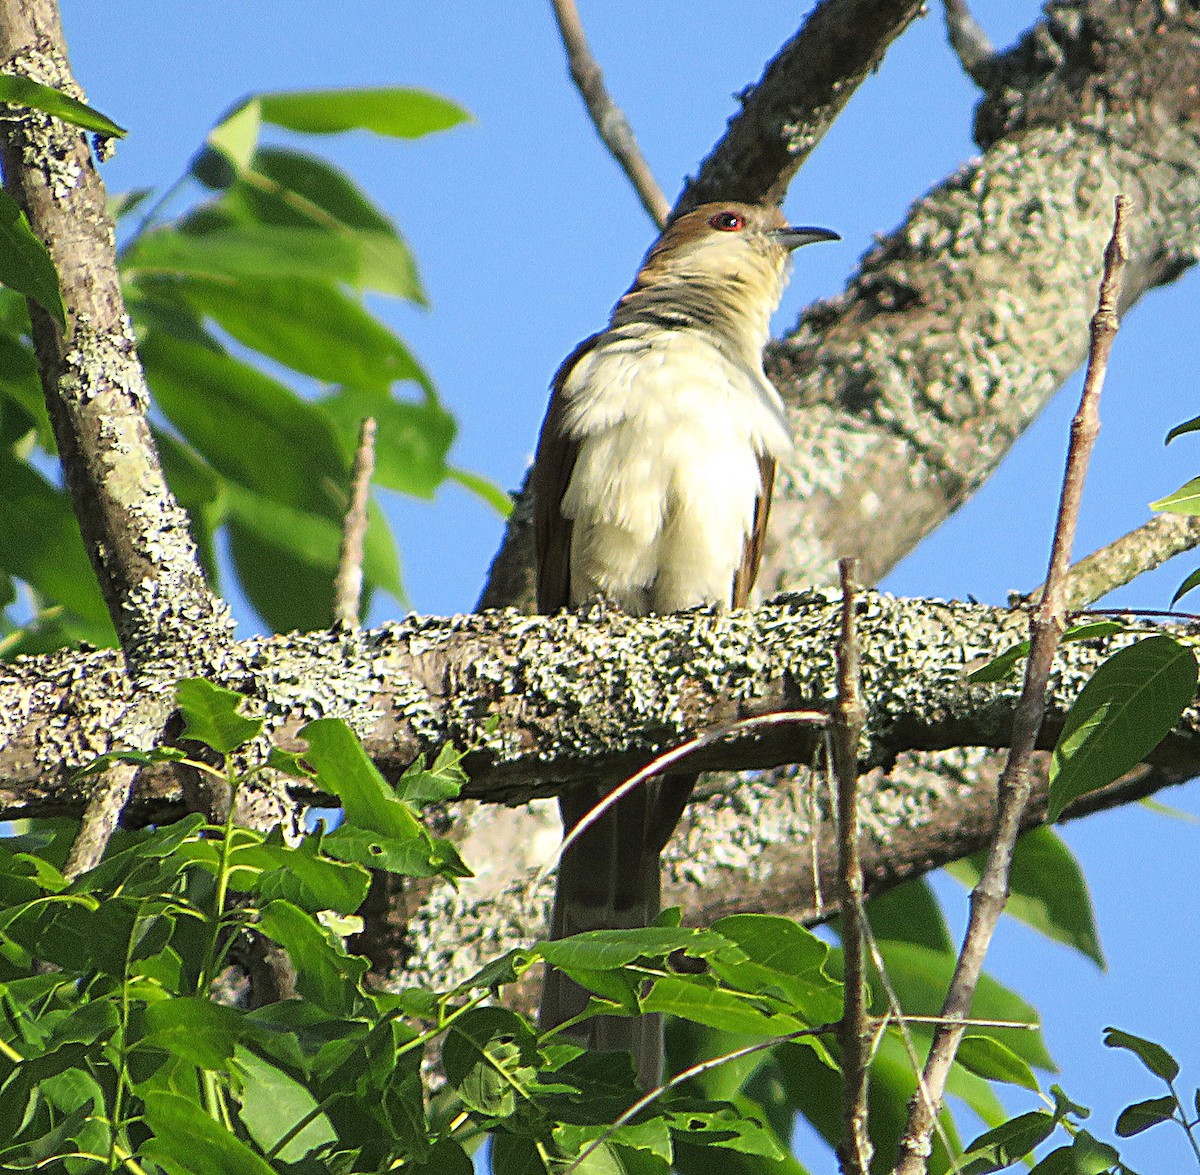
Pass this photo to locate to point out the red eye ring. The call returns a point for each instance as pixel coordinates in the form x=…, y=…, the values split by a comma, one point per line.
x=727, y=222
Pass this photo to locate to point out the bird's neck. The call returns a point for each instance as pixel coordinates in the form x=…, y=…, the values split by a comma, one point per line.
x=732, y=308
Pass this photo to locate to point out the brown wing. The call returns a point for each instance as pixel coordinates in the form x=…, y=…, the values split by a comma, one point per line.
x=747, y=573
x=552, y=469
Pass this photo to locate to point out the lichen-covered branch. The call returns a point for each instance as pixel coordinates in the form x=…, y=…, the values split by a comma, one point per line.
x=540, y=703
x=135, y=531
x=802, y=91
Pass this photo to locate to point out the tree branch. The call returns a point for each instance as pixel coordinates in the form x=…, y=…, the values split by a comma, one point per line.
x=802, y=91
x=611, y=124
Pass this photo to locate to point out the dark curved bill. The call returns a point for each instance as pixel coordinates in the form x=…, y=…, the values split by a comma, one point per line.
x=792, y=236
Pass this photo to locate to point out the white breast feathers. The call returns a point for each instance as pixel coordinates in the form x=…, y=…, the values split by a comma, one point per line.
x=670, y=429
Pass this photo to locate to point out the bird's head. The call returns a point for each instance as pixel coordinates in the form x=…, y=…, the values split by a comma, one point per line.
x=725, y=263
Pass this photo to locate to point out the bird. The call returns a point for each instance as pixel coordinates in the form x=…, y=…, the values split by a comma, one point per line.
x=651, y=489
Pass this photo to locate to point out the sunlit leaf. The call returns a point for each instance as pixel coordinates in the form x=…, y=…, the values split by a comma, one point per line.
x=18, y=90
x=393, y=111
x=1131, y=703
x=211, y=715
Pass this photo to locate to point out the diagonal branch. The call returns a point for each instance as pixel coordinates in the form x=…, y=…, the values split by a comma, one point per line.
x=611, y=124
x=1046, y=626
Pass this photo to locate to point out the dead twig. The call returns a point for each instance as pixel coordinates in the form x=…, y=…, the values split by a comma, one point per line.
x=347, y=587
x=1046, y=626
x=611, y=124
x=847, y=726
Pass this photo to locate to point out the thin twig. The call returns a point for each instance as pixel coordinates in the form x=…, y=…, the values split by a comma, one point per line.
x=1046, y=626
x=1120, y=562
x=611, y=124
x=848, y=719
x=669, y=758
x=347, y=587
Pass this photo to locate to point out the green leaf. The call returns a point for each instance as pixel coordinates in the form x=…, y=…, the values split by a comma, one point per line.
x=362, y=260
x=304, y=877
x=999, y=667
x=690, y=998
x=443, y=781
x=40, y=543
x=910, y=913
x=325, y=974
x=194, y=1029
x=720, y=1124
x=1152, y=1055
x=606, y=950
x=989, y=1058
x=211, y=715
x=309, y=326
x=1179, y=430
x=412, y=439
x=783, y=959
x=1142, y=1115
x=1132, y=701
x=393, y=111
x=1008, y=1143
x=1048, y=890
x=272, y=1103
x=231, y=145
x=235, y=417
x=344, y=770
x=495, y=496
x=18, y=90
x=1185, y=587
x=421, y=856
x=188, y=1142
x=25, y=265
x=1185, y=500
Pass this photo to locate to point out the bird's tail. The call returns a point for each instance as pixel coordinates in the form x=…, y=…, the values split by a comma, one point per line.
x=609, y=880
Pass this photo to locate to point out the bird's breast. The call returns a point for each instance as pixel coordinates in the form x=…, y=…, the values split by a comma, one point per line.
x=663, y=492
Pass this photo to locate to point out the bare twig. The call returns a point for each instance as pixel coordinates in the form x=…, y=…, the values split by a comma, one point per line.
x=1120, y=562
x=1046, y=626
x=968, y=40
x=611, y=124
x=848, y=718
x=669, y=758
x=347, y=587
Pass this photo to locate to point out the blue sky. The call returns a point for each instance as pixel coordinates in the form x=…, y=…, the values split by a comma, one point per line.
x=526, y=234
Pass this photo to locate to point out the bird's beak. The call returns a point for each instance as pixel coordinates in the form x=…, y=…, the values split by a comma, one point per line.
x=792, y=237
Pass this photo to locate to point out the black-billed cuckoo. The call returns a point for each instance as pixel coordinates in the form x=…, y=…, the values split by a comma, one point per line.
x=651, y=490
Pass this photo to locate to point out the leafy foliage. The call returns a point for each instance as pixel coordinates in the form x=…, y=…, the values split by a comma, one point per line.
x=270, y=267
x=123, y=1043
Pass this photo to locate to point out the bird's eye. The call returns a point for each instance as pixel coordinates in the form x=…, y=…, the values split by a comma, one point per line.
x=727, y=222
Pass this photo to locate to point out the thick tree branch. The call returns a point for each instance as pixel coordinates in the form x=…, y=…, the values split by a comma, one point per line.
x=802, y=91
x=135, y=531
x=540, y=703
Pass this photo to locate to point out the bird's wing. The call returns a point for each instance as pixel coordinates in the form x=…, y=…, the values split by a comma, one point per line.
x=552, y=469
x=747, y=572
